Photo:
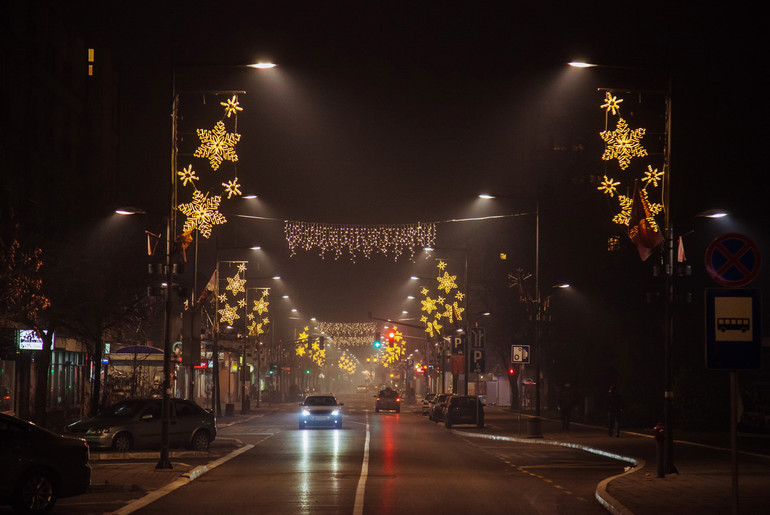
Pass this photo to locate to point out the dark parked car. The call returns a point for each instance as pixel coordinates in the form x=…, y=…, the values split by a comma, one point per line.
x=388, y=400
x=426, y=402
x=39, y=467
x=136, y=423
x=464, y=409
x=436, y=413
x=320, y=410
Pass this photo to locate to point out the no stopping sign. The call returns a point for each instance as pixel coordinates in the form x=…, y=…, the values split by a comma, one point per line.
x=733, y=260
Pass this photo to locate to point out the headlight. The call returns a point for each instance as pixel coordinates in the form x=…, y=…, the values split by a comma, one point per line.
x=335, y=413
x=305, y=413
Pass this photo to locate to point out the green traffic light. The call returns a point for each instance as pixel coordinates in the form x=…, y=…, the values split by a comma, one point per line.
x=377, y=344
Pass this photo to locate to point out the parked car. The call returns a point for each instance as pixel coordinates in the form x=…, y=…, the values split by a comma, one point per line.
x=436, y=413
x=136, y=424
x=362, y=388
x=320, y=410
x=39, y=467
x=464, y=409
x=426, y=402
x=388, y=400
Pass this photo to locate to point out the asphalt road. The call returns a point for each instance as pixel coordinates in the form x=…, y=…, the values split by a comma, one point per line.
x=387, y=463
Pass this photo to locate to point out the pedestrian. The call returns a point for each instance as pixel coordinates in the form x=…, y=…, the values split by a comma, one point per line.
x=566, y=404
x=614, y=409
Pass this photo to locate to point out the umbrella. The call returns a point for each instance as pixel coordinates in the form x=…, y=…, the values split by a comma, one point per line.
x=139, y=349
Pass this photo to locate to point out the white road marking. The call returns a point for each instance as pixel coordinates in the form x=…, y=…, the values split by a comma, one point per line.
x=358, y=507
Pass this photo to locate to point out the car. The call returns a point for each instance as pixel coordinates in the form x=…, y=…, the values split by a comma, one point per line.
x=464, y=409
x=136, y=424
x=362, y=388
x=39, y=466
x=387, y=400
x=320, y=410
x=436, y=413
x=426, y=402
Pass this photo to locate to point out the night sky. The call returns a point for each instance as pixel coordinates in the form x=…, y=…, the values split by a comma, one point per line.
x=398, y=112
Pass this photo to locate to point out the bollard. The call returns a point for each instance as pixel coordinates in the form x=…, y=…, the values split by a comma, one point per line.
x=660, y=437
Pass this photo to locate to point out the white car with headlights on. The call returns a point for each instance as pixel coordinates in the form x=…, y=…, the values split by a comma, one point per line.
x=319, y=410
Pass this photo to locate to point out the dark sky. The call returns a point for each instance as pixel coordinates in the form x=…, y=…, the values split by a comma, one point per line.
x=398, y=112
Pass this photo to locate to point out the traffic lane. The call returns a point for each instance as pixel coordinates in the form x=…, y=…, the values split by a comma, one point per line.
x=417, y=465
x=292, y=471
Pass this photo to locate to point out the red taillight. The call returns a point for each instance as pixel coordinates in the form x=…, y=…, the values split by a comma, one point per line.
x=398, y=399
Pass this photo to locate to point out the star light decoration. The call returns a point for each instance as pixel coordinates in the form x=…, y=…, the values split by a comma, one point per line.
x=347, y=363
x=258, y=317
x=233, y=296
x=217, y=146
x=440, y=308
x=359, y=240
x=310, y=348
x=392, y=353
x=624, y=145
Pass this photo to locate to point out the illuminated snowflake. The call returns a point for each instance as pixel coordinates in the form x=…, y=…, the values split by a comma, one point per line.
x=611, y=103
x=441, y=265
x=202, y=213
x=428, y=305
x=231, y=106
x=241, y=267
x=228, y=314
x=652, y=176
x=223, y=297
x=623, y=144
x=187, y=175
x=232, y=187
x=260, y=306
x=241, y=303
x=624, y=217
x=446, y=282
x=459, y=295
x=235, y=284
x=608, y=186
x=217, y=145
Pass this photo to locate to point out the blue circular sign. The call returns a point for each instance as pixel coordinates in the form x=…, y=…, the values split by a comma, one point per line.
x=733, y=260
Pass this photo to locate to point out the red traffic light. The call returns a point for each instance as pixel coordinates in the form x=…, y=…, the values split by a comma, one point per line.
x=391, y=337
x=511, y=371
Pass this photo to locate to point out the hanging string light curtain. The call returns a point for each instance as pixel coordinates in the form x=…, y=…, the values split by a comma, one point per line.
x=349, y=334
x=359, y=240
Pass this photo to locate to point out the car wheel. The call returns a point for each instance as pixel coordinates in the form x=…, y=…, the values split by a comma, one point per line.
x=200, y=441
x=122, y=442
x=36, y=493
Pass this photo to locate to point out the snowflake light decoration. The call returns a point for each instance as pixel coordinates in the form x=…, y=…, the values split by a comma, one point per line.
x=217, y=145
x=446, y=282
x=202, y=213
x=232, y=188
x=228, y=314
x=609, y=186
x=231, y=106
x=611, y=103
x=187, y=175
x=623, y=144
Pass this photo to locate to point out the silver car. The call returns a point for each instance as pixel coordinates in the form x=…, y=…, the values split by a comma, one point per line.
x=136, y=423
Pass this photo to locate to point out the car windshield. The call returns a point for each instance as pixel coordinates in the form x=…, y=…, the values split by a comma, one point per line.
x=123, y=409
x=320, y=401
x=388, y=393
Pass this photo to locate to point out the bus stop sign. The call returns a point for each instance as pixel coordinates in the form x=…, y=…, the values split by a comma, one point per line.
x=733, y=332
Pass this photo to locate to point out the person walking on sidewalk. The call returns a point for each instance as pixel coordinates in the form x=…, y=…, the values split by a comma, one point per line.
x=566, y=403
x=614, y=408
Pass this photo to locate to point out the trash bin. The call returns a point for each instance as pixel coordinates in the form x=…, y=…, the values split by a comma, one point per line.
x=229, y=410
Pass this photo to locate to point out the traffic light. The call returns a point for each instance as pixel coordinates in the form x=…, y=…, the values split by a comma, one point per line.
x=391, y=337
x=377, y=341
x=511, y=371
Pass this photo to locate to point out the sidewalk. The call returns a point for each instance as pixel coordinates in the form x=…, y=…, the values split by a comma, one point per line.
x=703, y=482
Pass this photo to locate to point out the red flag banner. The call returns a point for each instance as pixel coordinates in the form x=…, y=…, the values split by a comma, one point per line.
x=642, y=228
x=212, y=287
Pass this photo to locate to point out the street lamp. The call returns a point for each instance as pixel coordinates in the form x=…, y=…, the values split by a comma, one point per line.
x=164, y=461
x=668, y=275
x=534, y=427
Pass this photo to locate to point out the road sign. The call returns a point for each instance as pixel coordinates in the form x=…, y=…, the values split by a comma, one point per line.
x=477, y=361
x=733, y=332
x=733, y=260
x=477, y=337
x=458, y=345
x=520, y=354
